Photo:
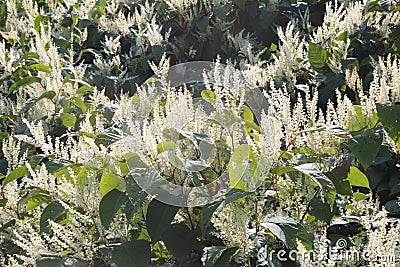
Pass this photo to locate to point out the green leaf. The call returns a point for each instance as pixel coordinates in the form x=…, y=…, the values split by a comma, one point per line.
x=134, y=253
x=206, y=214
x=15, y=174
x=35, y=198
x=56, y=165
x=7, y=225
x=366, y=147
x=158, y=218
x=109, y=206
x=68, y=120
x=217, y=256
x=288, y=230
x=84, y=89
x=39, y=67
x=3, y=14
x=98, y=9
x=389, y=116
x=327, y=187
x=32, y=101
x=208, y=96
x=202, y=24
x=3, y=202
x=38, y=21
x=179, y=240
x=361, y=122
x=53, y=211
x=357, y=178
x=393, y=207
x=317, y=56
x=321, y=210
x=109, y=181
x=236, y=169
x=23, y=82
x=165, y=146
x=339, y=178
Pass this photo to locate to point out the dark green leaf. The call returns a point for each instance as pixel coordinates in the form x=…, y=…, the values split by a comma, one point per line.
x=393, y=207
x=366, y=147
x=56, y=165
x=109, y=206
x=158, y=218
x=15, y=174
x=217, y=256
x=321, y=210
x=389, y=116
x=53, y=211
x=327, y=187
x=288, y=230
x=179, y=240
x=32, y=101
x=23, y=82
x=132, y=254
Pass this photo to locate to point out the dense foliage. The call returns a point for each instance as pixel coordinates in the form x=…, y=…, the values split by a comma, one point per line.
x=321, y=161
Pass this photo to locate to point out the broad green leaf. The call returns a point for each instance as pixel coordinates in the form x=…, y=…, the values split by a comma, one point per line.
x=33, y=199
x=109, y=181
x=208, y=96
x=68, y=120
x=206, y=214
x=179, y=240
x=158, y=218
x=361, y=122
x=53, y=211
x=357, y=178
x=32, y=101
x=339, y=178
x=23, y=82
x=317, y=56
x=217, y=256
x=7, y=225
x=56, y=165
x=360, y=196
x=389, y=116
x=84, y=89
x=39, y=67
x=327, y=187
x=366, y=147
x=321, y=210
x=393, y=207
x=288, y=230
x=165, y=146
x=236, y=169
x=15, y=174
x=98, y=9
x=134, y=253
x=78, y=101
x=109, y=205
